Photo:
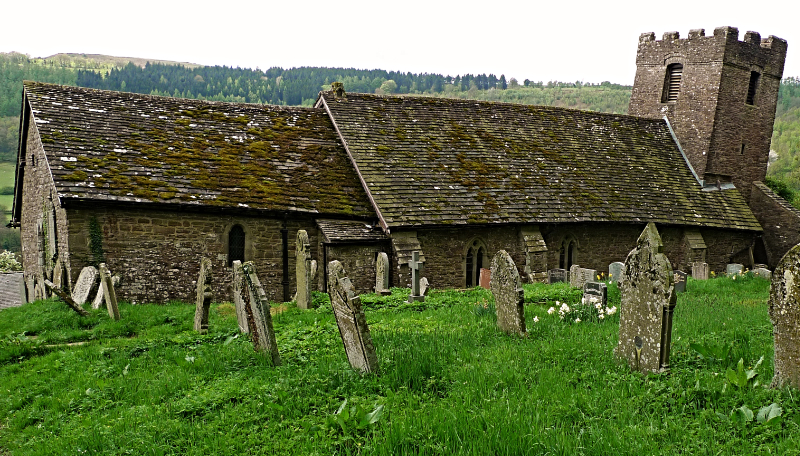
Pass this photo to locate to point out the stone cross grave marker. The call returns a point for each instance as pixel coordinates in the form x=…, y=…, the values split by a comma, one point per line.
x=303, y=270
x=509, y=298
x=784, y=312
x=66, y=298
x=351, y=320
x=110, y=295
x=700, y=270
x=100, y=296
x=733, y=269
x=84, y=285
x=647, y=301
x=382, y=274
x=763, y=273
x=204, y=296
x=259, y=317
x=615, y=271
x=557, y=276
x=414, y=264
x=679, y=278
x=595, y=293
x=239, y=288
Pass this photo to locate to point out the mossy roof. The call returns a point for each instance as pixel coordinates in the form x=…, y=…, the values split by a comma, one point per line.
x=435, y=161
x=114, y=146
x=339, y=231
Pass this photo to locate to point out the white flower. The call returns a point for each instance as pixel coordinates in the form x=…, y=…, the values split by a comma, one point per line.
x=611, y=310
x=536, y=319
x=601, y=316
x=577, y=320
x=551, y=311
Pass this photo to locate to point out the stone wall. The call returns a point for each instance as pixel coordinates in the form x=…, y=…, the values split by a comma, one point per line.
x=358, y=262
x=780, y=220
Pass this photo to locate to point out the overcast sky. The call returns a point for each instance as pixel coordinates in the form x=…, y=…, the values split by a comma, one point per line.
x=591, y=41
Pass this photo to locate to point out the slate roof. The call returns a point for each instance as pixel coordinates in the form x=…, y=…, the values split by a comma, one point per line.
x=436, y=161
x=114, y=146
x=339, y=231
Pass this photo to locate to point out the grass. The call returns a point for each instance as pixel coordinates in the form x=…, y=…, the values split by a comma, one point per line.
x=450, y=382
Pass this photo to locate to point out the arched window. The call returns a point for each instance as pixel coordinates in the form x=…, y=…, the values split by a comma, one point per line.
x=569, y=248
x=672, y=82
x=235, y=244
x=475, y=259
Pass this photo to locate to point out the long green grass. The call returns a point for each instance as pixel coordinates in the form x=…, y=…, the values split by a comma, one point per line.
x=450, y=382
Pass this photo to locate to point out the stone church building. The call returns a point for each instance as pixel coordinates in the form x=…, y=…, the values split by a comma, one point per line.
x=150, y=185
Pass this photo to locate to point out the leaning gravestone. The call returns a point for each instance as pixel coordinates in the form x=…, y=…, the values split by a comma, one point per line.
x=302, y=257
x=784, y=311
x=679, y=278
x=615, y=271
x=66, y=298
x=351, y=320
x=647, y=301
x=557, y=276
x=733, y=269
x=594, y=294
x=204, y=296
x=382, y=274
x=100, y=296
x=84, y=285
x=238, y=302
x=259, y=317
x=109, y=294
x=699, y=270
x=414, y=264
x=509, y=298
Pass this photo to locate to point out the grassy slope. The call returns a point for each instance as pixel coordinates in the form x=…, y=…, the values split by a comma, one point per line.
x=450, y=382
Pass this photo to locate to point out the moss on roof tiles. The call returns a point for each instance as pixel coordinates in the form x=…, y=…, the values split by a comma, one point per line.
x=168, y=150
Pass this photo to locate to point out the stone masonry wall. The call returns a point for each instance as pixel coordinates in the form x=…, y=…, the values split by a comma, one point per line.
x=780, y=220
x=358, y=262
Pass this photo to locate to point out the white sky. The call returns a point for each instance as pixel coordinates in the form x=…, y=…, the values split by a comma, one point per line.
x=591, y=41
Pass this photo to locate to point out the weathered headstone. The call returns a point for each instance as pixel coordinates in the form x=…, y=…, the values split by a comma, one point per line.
x=784, y=311
x=351, y=320
x=414, y=265
x=259, y=317
x=382, y=274
x=66, y=298
x=699, y=270
x=679, y=279
x=100, y=296
x=578, y=276
x=509, y=298
x=423, y=286
x=312, y=283
x=84, y=285
x=109, y=294
x=595, y=293
x=204, y=296
x=239, y=288
x=303, y=270
x=763, y=273
x=647, y=300
x=58, y=274
x=485, y=279
x=615, y=271
x=557, y=276
x=733, y=269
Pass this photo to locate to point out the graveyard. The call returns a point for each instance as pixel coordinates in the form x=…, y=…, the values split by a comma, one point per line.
x=444, y=377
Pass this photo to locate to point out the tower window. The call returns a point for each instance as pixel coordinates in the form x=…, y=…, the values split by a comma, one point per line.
x=752, y=87
x=235, y=244
x=672, y=82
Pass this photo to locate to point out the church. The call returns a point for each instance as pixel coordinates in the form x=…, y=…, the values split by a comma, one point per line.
x=150, y=185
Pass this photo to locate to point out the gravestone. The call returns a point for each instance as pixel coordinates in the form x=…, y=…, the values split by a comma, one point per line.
x=763, y=273
x=239, y=288
x=84, y=285
x=109, y=294
x=699, y=270
x=382, y=274
x=615, y=271
x=784, y=312
x=595, y=293
x=312, y=282
x=66, y=298
x=679, y=279
x=423, y=286
x=58, y=275
x=733, y=269
x=100, y=296
x=647, y=301
x=485, y=279
x=509, y=298
x=557, y=276
x=579, y=276
x=351, y=320
x=303, y=270
x=414, y=265
x=204, y=296
x=259, y=317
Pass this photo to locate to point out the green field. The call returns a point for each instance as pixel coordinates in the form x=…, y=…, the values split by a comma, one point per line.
x=7, y=180
x=449, y=382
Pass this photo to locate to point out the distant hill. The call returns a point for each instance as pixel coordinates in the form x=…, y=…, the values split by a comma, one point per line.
x=102, y=61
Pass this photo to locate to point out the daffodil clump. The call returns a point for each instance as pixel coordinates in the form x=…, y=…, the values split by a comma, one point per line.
x=590, y=309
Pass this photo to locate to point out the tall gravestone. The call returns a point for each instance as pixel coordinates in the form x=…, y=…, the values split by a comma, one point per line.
x=259, y=317
x=99, y=298
x=84, y=285
x=303, y=270
x=647, y=301
x=239, y=288
x=615, y=271
x=784, y=311
x=109, y=294
x=700, y=270
x=415, y=265
x=58, y=274
x=351, y=320
x=313, y=286
x=557, y=276
x=204, y=296
x=509, y=298
x=382, y=274
x=66, y=298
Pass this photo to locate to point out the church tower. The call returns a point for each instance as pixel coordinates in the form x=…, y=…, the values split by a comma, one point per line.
x=719, y=95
